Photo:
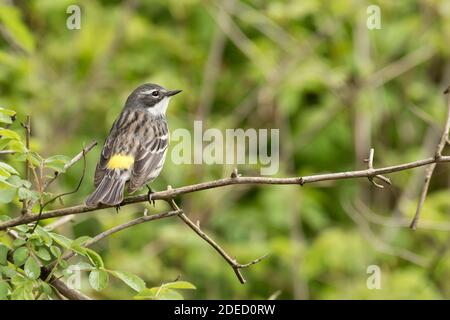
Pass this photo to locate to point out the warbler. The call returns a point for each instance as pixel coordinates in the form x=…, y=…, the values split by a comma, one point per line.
x=135, y=149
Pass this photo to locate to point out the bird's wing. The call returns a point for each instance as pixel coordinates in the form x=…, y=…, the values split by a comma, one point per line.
x=107, y=150
x=150, y=156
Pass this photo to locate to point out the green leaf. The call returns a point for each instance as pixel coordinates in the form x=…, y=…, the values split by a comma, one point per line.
x=25, y=193
x=56, y=252
x=158, y=293
x=78, y=249
x=45, y=287
x=165, y=291
x=146, y=294
x=23, y=292
x=7, y=112
x=81, y=240
x=32, y=157
x=32, y=269
x=8, y=168
x=5, y=118
x=133, y=281
x=3, y=254
x=18, y=147
x=57, y=162
x=63, y=264
x=20, y=255
x=61, y=240
x=23, y=228
x=18, y=243
x=9, y=272
x=169, y=294
x=11, y=20
x=35, y=240
x=7, y=193
x=43, y=254
x=9, y=134
x=95, y=258
x=4, y=288
x=98, y=279
x=44, y=235
x=184, y=285
x=17, y=182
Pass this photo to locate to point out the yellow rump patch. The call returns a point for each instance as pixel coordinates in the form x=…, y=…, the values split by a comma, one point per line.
x=120, y=161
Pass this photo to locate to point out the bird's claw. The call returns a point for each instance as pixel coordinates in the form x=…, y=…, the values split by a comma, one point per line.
x=149, y=196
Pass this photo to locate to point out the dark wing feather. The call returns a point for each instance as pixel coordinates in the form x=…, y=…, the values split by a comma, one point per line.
x=150, y=155
x=108, y=148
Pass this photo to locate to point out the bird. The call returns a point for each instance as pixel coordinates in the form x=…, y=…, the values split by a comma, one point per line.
x=134, y=152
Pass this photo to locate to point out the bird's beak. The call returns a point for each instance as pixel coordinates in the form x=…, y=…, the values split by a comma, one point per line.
x=172, y=92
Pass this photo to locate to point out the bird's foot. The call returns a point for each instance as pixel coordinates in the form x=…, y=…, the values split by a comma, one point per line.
x=117, y=207
x=149, y=196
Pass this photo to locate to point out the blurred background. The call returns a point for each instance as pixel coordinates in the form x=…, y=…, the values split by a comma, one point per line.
x=314, y=70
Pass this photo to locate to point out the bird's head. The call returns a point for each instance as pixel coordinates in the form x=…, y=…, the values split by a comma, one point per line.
x=152, y=97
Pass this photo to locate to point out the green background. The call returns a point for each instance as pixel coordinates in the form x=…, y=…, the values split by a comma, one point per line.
x=314, y=70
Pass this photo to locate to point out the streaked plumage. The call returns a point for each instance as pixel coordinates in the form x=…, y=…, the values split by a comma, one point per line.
x=135, y=149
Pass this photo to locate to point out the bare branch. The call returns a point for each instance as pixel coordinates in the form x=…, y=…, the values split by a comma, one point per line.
x=69, y=164
x=430, y=170
x=196, y=228
x=66, y=291
x=370, y=166
x=73, y=161
x=118, y=228
x=171, y=193
x=27, y=127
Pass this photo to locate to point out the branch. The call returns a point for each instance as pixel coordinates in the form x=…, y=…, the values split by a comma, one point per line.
x=171, y=193
x=62, y=288
x=43, y=205
x=196, y=228
x=118, y=228
x=27, y=127
x=430, y=170
x=69, y=164
x=370, y=167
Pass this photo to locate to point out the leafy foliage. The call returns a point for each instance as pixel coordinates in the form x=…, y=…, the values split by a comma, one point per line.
x=310, y=68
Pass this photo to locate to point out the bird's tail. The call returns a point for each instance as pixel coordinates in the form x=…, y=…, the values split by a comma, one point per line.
x=109, y=191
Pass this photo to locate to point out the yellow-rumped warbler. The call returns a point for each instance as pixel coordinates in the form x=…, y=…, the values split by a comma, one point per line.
x=136, y=146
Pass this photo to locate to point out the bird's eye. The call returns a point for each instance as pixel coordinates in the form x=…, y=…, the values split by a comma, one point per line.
x=155, y=93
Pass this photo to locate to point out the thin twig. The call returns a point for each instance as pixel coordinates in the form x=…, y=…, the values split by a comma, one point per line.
x=232, y=262
x=118, y=228
x=430, y=169
x=27, y=127
x=41, y=208
x=69, y=164
x=370, y=166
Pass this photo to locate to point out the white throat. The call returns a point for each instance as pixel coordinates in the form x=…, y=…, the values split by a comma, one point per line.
x=159, y=108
